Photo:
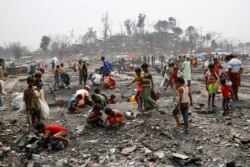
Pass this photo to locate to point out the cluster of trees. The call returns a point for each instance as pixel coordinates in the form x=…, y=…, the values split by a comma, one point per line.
x=135, y=35
x=14, y=50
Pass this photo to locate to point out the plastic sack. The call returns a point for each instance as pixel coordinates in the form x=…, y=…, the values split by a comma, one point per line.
x=17, y=100
x=22, y=109
x=44, y=109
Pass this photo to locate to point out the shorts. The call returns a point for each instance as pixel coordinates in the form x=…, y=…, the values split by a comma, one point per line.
x=138, y=95
x=226, y=101
x=212, y=88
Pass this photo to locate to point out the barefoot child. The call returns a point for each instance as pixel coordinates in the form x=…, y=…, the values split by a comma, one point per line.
x=138, y=81
x=30, y=98
x=225, y=90
x=112, y=99
x=73, y=103
x=211, y=86
x=182, y=105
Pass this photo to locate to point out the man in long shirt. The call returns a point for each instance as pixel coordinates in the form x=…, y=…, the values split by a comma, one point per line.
x=235, y=69
x=186, y=69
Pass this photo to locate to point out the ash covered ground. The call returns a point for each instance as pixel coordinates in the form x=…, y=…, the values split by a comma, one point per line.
x=148, y=140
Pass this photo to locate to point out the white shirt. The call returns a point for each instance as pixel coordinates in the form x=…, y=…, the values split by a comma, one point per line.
x=235, y=65
x=96, y=79
x=186, y=70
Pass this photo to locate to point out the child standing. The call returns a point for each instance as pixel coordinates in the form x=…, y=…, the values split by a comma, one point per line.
x=225, y=90
x=73, y=103
x=210, y=81
x=138, y=81
x=57, y=77
x=30, y=97
x=182, y=105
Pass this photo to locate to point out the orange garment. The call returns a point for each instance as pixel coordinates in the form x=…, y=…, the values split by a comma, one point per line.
x=108, y=82
x=117, y=117
x=132, y=99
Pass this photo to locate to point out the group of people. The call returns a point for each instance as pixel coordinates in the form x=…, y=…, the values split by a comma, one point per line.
x=102, y=115
x=226, y=83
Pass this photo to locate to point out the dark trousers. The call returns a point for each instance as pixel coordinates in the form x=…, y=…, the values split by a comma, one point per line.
x=184, y=111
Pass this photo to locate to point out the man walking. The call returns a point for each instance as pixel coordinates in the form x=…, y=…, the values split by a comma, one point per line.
x=235, y=69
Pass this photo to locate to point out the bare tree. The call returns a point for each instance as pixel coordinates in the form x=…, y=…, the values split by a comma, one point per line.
x=106, y=26
x=128, y=24
x=141, y=22
x=192, y=36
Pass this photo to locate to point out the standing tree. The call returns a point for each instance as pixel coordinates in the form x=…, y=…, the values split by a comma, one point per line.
x=106, y=27
x=45, y=41
x=177, y=31
x=162, y=26
x=141, y=22
x=128, y=24
x=192, y=36
x=172, y=21
x=106, y=31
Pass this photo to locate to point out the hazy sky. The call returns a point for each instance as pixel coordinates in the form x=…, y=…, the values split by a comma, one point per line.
x=27, y=21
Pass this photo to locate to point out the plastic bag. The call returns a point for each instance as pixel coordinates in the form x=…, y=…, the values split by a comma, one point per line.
x=17, y=101
x=22, y=109
x=44, y=109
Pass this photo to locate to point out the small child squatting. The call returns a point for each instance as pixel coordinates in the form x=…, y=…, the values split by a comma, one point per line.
x=182, y=105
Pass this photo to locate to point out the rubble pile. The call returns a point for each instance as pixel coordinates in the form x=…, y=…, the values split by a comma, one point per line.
x=147, y=139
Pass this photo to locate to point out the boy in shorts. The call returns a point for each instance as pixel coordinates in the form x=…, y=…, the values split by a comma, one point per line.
x=138, y=81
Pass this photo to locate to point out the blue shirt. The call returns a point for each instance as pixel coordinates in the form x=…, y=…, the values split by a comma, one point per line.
x=39, y=84
x=106, y=66
x=71, y=102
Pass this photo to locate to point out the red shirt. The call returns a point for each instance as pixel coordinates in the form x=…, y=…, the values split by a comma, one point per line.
x=57, y=72
x=225, y=90
x=54, y=129
x=217, y=69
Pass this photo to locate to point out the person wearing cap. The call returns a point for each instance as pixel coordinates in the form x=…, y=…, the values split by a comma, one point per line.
x=235, y=69
x=85, y=96
x=79, y=68
x=186, y=69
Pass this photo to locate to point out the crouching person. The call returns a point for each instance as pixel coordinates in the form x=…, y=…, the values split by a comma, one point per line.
x=114, y=117
x=54, y=135
x=95, y=116
x=73, y=103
